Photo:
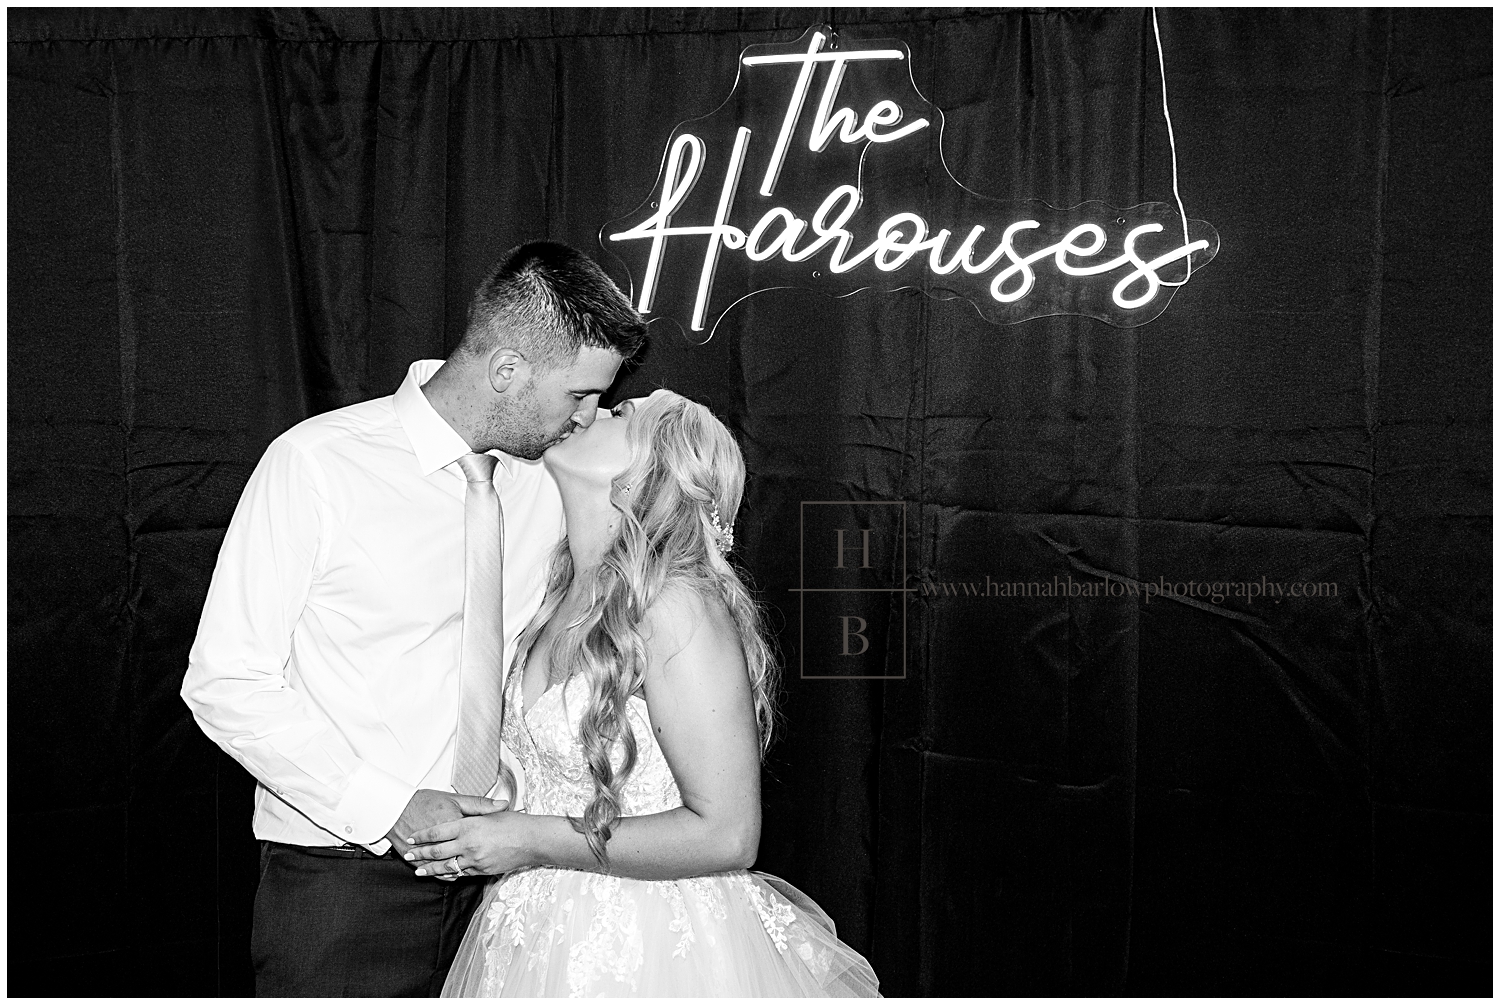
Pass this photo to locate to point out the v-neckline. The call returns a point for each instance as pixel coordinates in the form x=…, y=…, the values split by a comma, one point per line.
x=526, y=712
x=521, y=691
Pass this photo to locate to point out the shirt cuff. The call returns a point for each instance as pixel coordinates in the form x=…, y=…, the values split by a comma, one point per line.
x=372, y=804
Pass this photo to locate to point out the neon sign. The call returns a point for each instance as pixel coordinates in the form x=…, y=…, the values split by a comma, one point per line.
x=759, y=194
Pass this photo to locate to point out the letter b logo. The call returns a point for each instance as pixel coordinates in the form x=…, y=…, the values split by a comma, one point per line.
x=857, y=633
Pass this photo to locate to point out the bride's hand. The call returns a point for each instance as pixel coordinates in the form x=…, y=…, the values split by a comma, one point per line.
x=487, y=845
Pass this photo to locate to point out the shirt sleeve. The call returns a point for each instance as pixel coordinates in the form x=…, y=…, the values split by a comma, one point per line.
x=236, y=683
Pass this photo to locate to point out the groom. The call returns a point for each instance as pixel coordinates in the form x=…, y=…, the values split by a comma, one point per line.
x=354, y=641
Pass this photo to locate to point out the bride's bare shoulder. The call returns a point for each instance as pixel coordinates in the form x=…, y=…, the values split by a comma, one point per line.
x=686, y=614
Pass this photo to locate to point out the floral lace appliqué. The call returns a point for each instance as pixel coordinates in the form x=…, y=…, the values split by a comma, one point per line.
x=775, y=913
x=613, y=946
x=680, y=922
x=709, y=894
x=545, y=740
x=523, y=895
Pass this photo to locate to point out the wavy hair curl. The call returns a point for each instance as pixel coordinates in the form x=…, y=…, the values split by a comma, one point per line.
x=684, y=462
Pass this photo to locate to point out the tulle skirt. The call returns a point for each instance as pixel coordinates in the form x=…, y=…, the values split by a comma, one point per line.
x=549, y=932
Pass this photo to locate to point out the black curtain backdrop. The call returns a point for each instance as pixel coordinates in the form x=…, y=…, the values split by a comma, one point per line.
x=223, y=221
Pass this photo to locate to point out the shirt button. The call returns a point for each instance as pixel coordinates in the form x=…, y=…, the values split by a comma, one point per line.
x=348, y=830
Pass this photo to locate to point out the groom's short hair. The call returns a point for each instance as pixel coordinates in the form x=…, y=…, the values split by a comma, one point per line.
x=550, y=300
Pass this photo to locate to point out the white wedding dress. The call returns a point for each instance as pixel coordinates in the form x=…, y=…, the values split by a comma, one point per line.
x=545, y=932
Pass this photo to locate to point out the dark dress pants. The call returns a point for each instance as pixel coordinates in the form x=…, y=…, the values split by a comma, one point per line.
x=342, y=922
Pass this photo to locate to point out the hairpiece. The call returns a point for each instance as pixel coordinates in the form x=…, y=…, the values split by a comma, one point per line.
x=726, y=534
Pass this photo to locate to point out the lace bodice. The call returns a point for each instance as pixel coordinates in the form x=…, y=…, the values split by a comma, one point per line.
x=545, y=742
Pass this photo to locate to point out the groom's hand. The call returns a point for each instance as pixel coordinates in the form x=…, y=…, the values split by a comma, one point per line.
x=429, y=807
x=478, y=806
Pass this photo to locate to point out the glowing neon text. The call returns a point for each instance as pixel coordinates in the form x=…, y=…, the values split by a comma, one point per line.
x=1009, y=259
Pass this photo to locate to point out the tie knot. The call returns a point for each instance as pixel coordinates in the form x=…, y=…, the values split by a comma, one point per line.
x=478, y=467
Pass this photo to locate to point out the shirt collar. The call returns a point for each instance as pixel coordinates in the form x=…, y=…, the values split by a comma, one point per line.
x=436, y=443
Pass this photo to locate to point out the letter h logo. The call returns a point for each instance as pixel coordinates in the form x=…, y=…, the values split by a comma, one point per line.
x=852, y=592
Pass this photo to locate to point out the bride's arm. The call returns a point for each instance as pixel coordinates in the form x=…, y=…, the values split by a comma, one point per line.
x=702, y=710
x=703, y=714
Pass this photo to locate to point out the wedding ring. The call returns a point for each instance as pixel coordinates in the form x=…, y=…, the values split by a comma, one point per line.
x=458, y=870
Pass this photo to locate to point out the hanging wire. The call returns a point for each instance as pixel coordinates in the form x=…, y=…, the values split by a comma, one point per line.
x=1172, y=141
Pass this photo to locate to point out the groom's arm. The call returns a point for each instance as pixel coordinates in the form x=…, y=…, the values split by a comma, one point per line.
x=236, y=683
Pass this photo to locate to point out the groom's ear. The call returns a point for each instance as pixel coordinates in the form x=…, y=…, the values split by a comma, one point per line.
x=506, y=369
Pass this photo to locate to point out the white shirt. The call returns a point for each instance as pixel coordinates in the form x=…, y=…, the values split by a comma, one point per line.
x=327, y=657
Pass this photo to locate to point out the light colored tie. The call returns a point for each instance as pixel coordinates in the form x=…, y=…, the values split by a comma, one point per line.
x=476, y=754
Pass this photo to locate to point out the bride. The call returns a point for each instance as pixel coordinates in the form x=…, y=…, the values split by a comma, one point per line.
x=638, y=707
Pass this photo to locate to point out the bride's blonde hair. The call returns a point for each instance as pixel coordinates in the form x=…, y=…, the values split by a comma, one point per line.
x=686, y=470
